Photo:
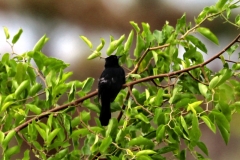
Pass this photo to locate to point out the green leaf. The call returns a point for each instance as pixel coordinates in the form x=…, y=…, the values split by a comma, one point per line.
x=158, y=116
x=223, y=125
x=96, y=129
x=144, y=157
x=61, y=154
x=137, y=76
x=71, y=95
x=207, y=10
x=155, y=56
x=220, y=4
x=5, y=58
x=105, y=144
x=203, y=147
x=52, y=135
x=75, y=121
x=193, y=105
x=208, y=34
x=209, y=123
x=195, y=132
x=41, y=132
x=184, y=124
x=236, y=66
x=31, y=74
x=6, y=105
x=159, y=98
x=197, y=43
x=193, y=55
x=160, y=134
x=135, y=26
x=7, y=139
x=34, y=89
x=44, y=126
x=95, y=145
x=91, y=106
x=225, y=74
x=120, y=135
x=7, y=35
x=95, y=54
x=225, y=109
x=66, y=75
x=181, y=23
x=182, y=155
x=213, y=83
x=112, y=127
x=85, y=116
x=26, y=155
x=145, y=152
x=159, y=36
x=142, y=117
x=147, y=93
x=203, y=89
x=100, y=46
x=128, y=43
x=167, y=149
x=1, y=137
x=87, y=85
x=11, y=151
x=140, y=46
x=114, y=45
x=146, y=34
x=49, y=121
x=237, y=20
x=236, y=106
x=141, y=141
x=37, y=145
x=232, y=49
x=24, y=85
x=17, y=36
x=34, y=108
x=80, y=132
x=87, y=41
x=40, y=43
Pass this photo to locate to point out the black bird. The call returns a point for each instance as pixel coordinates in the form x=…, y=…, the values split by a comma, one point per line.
x=109, y=85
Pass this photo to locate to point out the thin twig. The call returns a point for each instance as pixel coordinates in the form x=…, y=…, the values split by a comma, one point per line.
x=227, y=60
x=196, y=79
x=135, y=100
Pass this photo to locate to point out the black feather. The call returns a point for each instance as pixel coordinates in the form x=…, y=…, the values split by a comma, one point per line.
x=109, y=85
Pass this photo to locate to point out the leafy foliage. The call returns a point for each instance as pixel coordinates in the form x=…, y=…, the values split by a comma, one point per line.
x=165, y=100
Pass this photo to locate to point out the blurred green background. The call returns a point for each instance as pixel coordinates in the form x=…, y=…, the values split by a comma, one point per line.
x=63, y=21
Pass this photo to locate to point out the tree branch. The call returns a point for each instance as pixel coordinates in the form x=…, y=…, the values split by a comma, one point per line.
x=130, y=84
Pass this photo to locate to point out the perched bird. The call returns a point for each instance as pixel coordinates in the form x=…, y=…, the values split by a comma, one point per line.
x=109, y=85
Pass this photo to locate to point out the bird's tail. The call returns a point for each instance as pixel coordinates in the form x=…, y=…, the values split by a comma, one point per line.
x=105, y=114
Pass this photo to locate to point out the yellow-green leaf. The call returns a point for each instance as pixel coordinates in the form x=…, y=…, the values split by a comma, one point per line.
x=34, y=108
x=114, y=45
x=100, y=46
x=208, y=34
x=193, y=105
x=40, y=43
x=128, y=43
x=17, y=36
x=87, y=41
x=7, y=35
x=21, y=87
x=95, y=54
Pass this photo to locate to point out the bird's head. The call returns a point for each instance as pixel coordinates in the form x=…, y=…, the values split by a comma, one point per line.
x=112, y=61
